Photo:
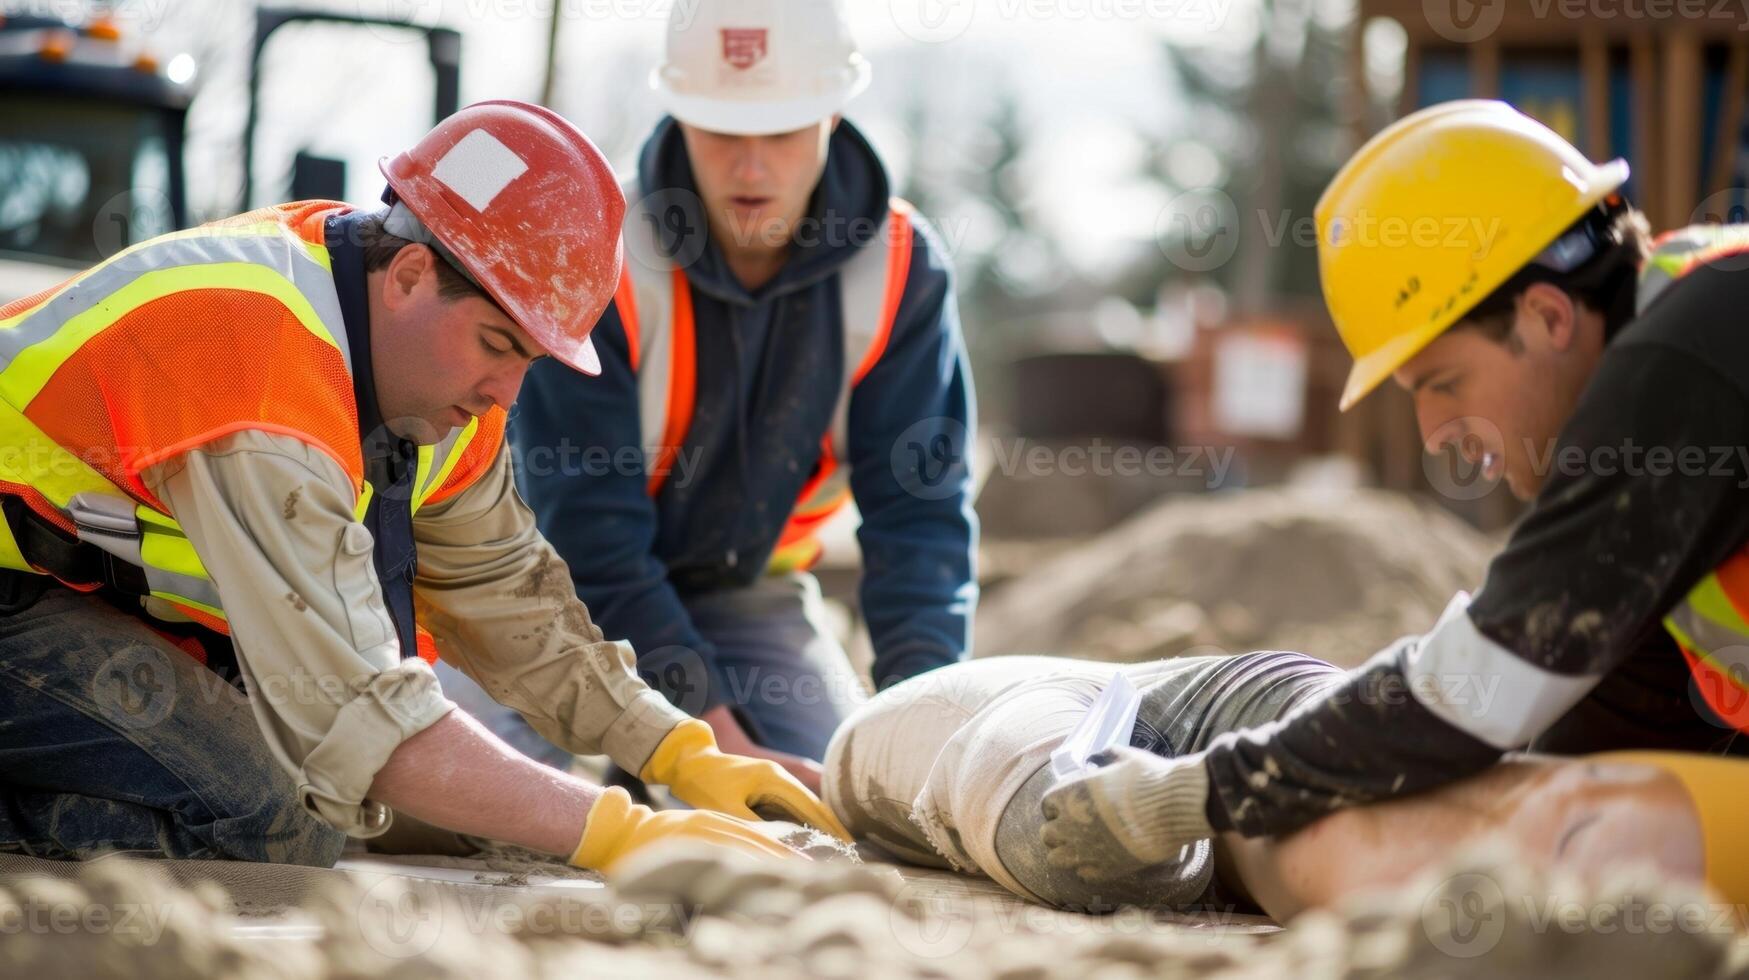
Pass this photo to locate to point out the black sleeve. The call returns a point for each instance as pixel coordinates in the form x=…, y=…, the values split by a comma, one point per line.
x=1645, y=492
x=1646, y=702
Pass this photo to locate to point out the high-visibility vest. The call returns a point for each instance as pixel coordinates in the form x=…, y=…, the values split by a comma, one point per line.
x=180, y=340
x=655, y=305
x=1711, y=624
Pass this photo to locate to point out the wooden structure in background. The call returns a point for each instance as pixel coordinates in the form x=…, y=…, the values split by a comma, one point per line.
x=1667, y=93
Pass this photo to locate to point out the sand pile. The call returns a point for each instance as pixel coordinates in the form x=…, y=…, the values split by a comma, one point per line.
x=1334, y=574
x=692, y=913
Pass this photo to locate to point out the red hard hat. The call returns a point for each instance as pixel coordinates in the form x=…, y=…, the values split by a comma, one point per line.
x=531, y=211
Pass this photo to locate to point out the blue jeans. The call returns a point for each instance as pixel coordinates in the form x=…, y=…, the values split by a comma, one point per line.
x=113, y=739
x=789, y=681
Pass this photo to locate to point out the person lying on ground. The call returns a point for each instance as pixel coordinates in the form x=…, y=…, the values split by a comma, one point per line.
x=950, y=769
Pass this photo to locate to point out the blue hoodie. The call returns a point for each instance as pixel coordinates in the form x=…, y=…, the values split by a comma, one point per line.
x=769, y=365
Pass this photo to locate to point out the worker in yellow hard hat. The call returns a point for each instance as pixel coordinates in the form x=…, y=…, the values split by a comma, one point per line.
x=1479, y=261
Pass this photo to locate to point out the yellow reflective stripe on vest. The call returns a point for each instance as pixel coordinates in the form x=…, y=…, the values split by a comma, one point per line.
x=25, y=375
x=268, y=259
x=265, y=258
x=1708, y=626
x=863, y=287
x=1680, y=252
x=795, y=556
x=28, y=457
x=363, y=506
x=174, y=571
x=430, y=475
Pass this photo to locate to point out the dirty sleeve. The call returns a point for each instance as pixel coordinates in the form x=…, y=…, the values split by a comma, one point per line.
x=1645, y=491
x=500, y=603
x=271, y=519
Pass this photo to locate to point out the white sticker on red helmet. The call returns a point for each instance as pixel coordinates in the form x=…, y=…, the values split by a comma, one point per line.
x=477, y=167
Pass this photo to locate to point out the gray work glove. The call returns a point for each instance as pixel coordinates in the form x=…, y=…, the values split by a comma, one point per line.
x=1137, y=810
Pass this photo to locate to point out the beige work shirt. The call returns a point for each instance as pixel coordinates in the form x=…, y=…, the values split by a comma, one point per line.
x=271, y=518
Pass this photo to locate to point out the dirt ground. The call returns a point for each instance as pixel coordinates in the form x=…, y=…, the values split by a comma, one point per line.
x=1337, y=574
x=690, y=913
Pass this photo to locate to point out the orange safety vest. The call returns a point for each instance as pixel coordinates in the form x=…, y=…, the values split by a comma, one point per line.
x=169, y=345
x=655, y=305
x=1711, y=625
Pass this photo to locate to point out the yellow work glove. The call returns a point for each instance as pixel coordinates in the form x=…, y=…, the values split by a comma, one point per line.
x=617, y=827
x=689, y=763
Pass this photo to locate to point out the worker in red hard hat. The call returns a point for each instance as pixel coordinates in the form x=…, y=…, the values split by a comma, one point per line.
x=269, y=451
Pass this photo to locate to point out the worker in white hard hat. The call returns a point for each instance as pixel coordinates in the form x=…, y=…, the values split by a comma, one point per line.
x=784, y=341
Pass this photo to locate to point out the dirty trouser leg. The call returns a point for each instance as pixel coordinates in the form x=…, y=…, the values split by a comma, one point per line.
x=1186, y=704
x=111, y=739
x=790, y=682
x=1002, y=713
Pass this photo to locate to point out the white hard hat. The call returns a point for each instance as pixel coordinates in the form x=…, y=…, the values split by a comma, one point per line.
x=757, y=67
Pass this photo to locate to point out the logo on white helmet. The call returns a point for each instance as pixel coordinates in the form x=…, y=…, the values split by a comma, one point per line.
x=478, y=167
x=744, y=47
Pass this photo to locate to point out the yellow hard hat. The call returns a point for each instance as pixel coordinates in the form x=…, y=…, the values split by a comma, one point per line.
x=1433, y=215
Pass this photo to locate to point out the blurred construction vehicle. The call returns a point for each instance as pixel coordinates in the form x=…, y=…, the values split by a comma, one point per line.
x=91, y=140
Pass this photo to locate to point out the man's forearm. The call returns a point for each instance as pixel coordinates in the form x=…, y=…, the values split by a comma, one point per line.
x=1366, y=739
x=457, y=775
